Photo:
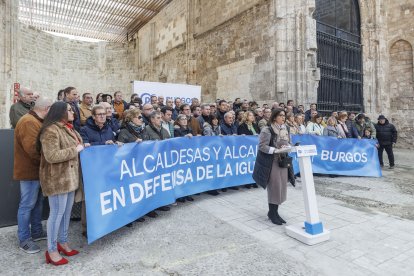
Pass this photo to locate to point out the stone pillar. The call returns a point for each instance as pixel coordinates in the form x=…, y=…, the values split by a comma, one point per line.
x=8, y=57
x=190, y=43
x=296, y=74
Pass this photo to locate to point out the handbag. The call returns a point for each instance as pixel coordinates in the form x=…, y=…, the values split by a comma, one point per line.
x=285, y=161
x=263, y=165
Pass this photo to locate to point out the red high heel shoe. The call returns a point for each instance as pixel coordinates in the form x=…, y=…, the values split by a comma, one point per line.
x=73, y=252
x=62, y=261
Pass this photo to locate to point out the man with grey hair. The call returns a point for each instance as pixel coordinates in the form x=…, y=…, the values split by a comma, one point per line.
x=275, y=105
x=227, y=126
x=155, y=131
x=26, y=170
x=110, y=119
x=22, y=107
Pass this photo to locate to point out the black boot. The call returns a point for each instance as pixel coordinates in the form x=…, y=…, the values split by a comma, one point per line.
x=272, y=214
x=277, y=214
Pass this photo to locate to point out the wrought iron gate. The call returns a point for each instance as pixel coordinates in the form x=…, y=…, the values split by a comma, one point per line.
x=340, y=63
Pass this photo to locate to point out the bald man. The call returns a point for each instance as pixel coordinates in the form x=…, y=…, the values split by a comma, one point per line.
x=22, y=107
x=26, y=170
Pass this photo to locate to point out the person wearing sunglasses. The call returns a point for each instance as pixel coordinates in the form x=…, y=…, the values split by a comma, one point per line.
x=133, y=127
x=97, y=131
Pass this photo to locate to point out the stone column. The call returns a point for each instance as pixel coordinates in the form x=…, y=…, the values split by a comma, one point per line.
x=8, y=56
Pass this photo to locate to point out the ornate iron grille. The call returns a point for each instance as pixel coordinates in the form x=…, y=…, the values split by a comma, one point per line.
x=340, y=63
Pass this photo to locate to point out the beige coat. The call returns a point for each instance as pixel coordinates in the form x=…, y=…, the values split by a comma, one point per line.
x=59, y=163
x=277, y=186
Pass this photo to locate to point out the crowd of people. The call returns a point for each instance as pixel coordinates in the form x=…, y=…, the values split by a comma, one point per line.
x=50, y=134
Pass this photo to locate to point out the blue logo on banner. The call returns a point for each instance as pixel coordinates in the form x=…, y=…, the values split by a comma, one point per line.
x=351, y=157
x=146, y=98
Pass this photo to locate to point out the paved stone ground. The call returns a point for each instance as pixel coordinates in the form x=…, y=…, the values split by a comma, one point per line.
x=370, y=219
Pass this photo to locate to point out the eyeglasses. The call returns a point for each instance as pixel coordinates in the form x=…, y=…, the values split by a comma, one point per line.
x=183, y=119
x=100, y=114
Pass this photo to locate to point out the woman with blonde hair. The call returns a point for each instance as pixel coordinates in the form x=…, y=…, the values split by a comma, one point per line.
x=248, y=125
x=331, y=128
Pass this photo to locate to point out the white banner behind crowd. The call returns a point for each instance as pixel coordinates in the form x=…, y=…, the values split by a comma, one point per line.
x=146, y=89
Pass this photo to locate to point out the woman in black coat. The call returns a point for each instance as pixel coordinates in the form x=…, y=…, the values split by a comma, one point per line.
x=132, y=130
x=248, y=126
x=133, y=127
x=181, y=130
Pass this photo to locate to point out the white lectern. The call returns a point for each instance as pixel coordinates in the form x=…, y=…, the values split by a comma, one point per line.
x=312, y=232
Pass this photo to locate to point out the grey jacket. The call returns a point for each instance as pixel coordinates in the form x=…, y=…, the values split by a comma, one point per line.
x=154, y=134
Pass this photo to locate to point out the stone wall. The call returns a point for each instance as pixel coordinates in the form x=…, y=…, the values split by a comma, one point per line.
x=232, y=48
x=263, y=50
x=400, y=75
x=48, y=63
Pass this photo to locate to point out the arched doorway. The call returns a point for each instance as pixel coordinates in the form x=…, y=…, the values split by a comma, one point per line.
x=339, y=55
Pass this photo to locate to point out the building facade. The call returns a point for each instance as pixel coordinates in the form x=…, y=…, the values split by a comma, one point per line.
x=347, y=54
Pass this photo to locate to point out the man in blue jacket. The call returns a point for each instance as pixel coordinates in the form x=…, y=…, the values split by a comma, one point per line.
x=227, y=126
x=97, y=131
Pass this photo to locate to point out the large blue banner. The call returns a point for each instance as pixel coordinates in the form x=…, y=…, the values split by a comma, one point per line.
x=353, y=157
x=124, y=183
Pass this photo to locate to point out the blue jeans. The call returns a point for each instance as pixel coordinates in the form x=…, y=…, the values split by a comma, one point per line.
x=29, y=214
x=58, y=221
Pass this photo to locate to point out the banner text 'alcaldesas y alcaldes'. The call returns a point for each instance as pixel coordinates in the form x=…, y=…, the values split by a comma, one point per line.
x=124, y=183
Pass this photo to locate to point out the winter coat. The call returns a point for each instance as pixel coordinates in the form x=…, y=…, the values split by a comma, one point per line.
x=352, y=130
x=342, y=130
x=209, y=130
x=154, y=134
x=331, y=131
x=120, y=108
x=168, y=126
x=129, y=135
x=386, y=133
x=181, y=132
x=314, y=128
x=17, y=111
x=26, y=157
x=59, y=163
x=244, y=129
x=220, y=116
x=262, y=123
x=85, y=112
x=228, y=129
x=114, y=124
x=93, y=135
